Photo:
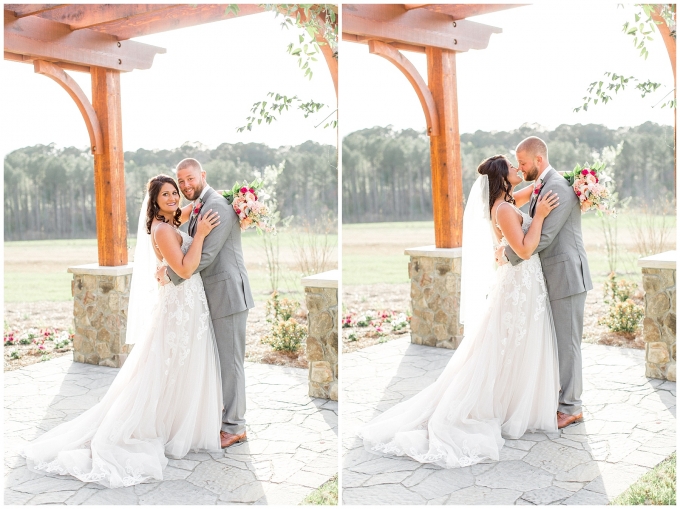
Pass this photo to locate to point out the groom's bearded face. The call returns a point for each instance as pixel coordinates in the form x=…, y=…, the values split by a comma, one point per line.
x=528, y=165
x=191, y=182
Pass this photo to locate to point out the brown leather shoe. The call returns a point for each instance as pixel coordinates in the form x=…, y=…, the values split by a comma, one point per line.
x=564, y=420
x=227, y=439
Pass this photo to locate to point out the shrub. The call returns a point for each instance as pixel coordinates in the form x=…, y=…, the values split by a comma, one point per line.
x=618, y=291
x=286, y=336
x=352, y=336
x=14, y=355
x=624, y=316
x=286, y=333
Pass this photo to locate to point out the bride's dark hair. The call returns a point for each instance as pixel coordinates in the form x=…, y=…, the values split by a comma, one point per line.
x=496, y=167
x=153, y=187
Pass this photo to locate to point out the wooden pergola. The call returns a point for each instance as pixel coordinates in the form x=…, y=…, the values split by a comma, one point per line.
x=440, y=31
x=98, y=39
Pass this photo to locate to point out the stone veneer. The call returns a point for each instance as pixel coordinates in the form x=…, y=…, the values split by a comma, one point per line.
x=658, y=281
x=321, y=296
x=435, y=296
x=100, y=304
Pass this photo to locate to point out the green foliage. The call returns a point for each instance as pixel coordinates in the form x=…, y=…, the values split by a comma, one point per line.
x=49, y=192
x=386, y=173
x=14, y=355
x=286, y=333
x=317, y=25
x=641, y=30
x=656, y=487
x=280, y=310
x=623, y=314
x=325, y=495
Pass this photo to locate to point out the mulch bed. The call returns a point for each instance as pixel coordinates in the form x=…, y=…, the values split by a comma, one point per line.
x=395, y=298
x=22, y=316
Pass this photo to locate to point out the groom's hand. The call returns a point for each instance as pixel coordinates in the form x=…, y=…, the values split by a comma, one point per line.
x=501, y=259
x=162, y=275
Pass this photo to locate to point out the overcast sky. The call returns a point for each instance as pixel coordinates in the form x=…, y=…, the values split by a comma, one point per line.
x=536, y=71
x=201, y=90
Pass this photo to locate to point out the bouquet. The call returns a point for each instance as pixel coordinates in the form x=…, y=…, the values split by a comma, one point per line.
x=591, y=186
x=247, y=201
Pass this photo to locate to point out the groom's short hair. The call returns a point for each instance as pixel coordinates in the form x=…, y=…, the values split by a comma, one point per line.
x=189, y=162
x=533, y=145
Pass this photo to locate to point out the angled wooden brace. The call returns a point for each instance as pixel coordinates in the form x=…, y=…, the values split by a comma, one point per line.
x=408, y=69
x=57, y=74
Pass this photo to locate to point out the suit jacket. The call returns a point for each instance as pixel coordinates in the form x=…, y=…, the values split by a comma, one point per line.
x=222, y=268
x=561, y=249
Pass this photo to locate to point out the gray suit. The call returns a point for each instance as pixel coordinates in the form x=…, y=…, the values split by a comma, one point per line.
x=567, y=276
x=227, y=290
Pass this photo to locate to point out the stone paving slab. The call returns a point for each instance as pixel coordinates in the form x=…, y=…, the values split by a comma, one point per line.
x=628, y=428
x=292, y=445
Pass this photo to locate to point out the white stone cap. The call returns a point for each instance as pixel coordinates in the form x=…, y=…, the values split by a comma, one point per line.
x=94, y=269
x=435, y=252
x=323, y=280
x=664, y=260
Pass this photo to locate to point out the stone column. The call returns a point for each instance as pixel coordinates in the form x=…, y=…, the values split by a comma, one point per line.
x=321, y=296
x=435, y=296
x=100, y=304
x=658, y=281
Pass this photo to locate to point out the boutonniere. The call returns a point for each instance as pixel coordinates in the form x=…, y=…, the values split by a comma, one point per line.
x=538, y=188
x=197, y=208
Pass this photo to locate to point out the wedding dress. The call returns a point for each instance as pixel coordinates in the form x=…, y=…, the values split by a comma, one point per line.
x=166, y=400
x=502, y=380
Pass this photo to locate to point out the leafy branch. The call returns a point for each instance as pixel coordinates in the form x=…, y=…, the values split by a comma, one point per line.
x=641, y=31
x=264, y=111
x=600, y=91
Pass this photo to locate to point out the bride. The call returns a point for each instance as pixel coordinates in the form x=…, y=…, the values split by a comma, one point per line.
x=167, y=398
x=503, y=378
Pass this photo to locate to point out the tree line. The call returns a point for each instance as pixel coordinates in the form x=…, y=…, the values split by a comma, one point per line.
x=386, y=173
x=49, y=191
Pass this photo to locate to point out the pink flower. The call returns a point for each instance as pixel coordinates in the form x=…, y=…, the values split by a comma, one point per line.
x=244, y=190
x=578, y=193
x=251, y=190
x=584, y=172
x=592, y=172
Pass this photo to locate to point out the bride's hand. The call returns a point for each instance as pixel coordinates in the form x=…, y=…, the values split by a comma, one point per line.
x=546, y=203
x=207, y=222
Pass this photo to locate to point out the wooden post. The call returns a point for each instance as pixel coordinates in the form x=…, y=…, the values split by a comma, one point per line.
x=445, y=159
x=109, y=176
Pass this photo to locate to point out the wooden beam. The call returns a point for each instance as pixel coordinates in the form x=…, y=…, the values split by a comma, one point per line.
x=109, y=170
x=82, y=102
x=23, y=10
x=410, y=7
x=48, y=40
x=668, y=39
x=179, y=16
x=413, y=76
x=445, y=157
x=398, y=45
x=463, y=11
x=79, y=16
x=418, y=27
x=14, y=57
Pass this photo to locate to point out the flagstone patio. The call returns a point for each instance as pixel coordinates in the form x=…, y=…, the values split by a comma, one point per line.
x=291, y=450
x=628, y=428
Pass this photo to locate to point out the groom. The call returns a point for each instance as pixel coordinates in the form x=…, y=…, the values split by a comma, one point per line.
x=565, y=268
x=227, y=290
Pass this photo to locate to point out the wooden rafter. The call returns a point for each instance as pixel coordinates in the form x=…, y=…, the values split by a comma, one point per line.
x=408, y=69
x=82, y=102
x=81, y=16
x=462, y=11
x=417, y=27
x=48, y=40
x=22, y=10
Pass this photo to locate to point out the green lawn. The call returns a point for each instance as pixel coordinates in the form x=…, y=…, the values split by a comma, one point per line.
x=374, y=252
x=656, y=487
x=37, y=270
